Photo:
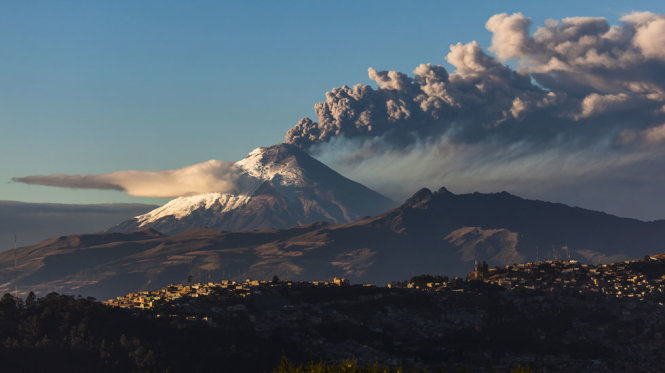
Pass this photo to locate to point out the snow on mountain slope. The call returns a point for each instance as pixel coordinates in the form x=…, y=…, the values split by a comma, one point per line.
x=265, y=164
x=184, y=206
x=277, y=187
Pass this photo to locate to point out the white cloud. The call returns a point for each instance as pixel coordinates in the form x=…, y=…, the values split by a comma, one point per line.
x=210, y=176
x=649, y=33
x=510, y=34
x=595, y=104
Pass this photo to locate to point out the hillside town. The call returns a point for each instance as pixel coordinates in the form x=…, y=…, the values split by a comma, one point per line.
x=643, y=280
x=179, y=292
x=639, y=279
x=551, y=315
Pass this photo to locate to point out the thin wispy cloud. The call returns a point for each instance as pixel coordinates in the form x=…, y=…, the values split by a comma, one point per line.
x=206, y=177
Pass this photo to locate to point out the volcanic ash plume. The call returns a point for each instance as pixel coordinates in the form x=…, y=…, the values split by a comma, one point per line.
x=586, y=104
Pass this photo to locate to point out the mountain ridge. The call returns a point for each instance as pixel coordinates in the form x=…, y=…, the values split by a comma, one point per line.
x=432, y=232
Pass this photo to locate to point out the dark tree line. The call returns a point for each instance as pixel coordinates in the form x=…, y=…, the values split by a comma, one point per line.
x=65, y=333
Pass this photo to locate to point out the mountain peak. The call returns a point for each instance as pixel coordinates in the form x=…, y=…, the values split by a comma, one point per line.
x=280, y=162
x=273, y=154
x=419, y=197
x=277, y=149
x=444, y=190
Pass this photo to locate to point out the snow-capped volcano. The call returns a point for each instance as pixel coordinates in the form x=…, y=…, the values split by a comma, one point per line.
x=276, y=187
x=277, y=163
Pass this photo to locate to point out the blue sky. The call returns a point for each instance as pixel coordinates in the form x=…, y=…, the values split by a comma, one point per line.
x=94, y=87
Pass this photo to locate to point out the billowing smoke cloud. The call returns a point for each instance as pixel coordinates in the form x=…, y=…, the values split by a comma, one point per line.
x=206, y=177
x=585, y=103
x=574, y=74
x=482, y=96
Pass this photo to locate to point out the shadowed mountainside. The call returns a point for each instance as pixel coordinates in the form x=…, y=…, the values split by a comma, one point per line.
x=438, y=232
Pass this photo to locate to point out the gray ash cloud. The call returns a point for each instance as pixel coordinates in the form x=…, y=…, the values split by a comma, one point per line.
x=573, y=74
x=574, y=105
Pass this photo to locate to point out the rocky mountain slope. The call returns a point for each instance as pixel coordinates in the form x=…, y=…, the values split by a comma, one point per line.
x=278, y=186
x=436, y=233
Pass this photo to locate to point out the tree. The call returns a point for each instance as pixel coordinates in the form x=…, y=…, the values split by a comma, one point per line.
x=275, y=279
x=30, y=300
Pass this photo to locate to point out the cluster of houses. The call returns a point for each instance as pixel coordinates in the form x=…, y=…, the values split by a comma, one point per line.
x=642, y=279
x=175, y=292
x=549, y=305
